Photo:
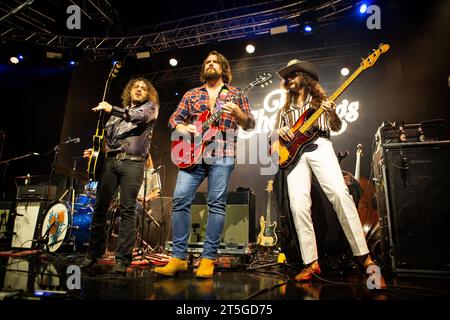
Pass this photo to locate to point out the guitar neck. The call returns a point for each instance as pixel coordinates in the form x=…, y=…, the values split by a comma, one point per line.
x=268, y=207
x=308, y=123
x=216, y=115
x=357, y=168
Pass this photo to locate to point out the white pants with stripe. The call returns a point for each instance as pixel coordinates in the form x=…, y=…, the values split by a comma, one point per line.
x=324, y=164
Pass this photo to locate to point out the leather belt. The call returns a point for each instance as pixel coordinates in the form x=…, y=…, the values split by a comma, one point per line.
x=125, y=156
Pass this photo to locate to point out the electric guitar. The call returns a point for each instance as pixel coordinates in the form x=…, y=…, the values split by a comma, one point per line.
x=288, y=151
x=187, y=151
x=98, y=154
x=267, y=236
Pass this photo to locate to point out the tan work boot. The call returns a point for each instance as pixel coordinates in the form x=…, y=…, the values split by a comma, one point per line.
x=174, y=266
x=205, y=269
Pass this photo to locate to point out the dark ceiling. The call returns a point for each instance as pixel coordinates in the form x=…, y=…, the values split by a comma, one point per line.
x=111, y=25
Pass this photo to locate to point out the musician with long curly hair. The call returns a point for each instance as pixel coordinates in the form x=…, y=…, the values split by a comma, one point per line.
x=305, y=94
x=128, y=136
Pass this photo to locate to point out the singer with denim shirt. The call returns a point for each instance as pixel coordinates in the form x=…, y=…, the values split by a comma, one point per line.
x=128, y=137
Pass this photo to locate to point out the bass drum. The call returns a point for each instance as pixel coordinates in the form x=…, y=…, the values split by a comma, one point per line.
x=59, y=228
x=56, y=226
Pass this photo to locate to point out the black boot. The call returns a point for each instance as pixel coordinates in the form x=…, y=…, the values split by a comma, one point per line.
x=89, y=261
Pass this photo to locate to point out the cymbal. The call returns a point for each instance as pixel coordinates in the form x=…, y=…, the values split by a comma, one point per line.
x=70, y=172
x=33, y=176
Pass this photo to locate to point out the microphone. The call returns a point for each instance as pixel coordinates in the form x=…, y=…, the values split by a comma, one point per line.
x=69, y=140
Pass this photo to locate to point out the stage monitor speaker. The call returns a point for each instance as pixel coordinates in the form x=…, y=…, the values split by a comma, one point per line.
x=414, y=204
x=26, y=224
x=239, y=219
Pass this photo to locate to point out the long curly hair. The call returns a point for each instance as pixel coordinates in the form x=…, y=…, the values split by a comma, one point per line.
x=226, y=69
x=310, y=86
x=126, y=93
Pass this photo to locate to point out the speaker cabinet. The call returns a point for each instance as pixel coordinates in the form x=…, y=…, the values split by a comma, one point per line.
x=413, y=197
x=239, y=219
x=26, y=224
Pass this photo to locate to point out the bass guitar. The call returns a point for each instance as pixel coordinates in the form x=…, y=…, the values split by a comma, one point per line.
x=98, y=154
x=187, y=151
x=287, y=152
x=267, y=236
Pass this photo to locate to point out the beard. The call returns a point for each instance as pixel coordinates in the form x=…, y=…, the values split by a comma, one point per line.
x=211, y=74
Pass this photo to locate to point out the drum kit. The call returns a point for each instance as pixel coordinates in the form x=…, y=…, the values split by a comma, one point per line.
x=67, y=223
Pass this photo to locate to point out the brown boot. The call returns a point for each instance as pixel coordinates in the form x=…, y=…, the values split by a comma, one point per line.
x=205, y=269
x=370, y=268
x=174, y=266
x=308, y=272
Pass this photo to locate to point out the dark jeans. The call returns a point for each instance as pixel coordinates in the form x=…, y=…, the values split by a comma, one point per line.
x=128, y=175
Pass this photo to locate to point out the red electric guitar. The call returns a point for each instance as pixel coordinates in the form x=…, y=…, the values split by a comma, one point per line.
x=187, y=151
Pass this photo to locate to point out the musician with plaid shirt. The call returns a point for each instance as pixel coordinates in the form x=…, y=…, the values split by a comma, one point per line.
x=217, y=162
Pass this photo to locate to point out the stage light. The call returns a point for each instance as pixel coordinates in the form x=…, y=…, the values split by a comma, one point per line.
x=14, y=60
x=307, y=28
x=345, y=72
x=20, y=57
x=143, y=55
x=53, y=55
x=114, y=62
x=72, y=62
x=173, y=62
x=250, y=48
x=363, y=8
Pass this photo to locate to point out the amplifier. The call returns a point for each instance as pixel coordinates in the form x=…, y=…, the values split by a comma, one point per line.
x=425, y=131
x=36, y=192
x=233, y=249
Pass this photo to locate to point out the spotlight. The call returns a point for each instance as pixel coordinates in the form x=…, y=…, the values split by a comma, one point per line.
x=363, y=8
x=173, y=62
x=308, y=28
x=345, y=72
x=72, y=62
x=176, y=93
x=250, y=48
x=14, y=60
x=114, y=62
x=20, y=57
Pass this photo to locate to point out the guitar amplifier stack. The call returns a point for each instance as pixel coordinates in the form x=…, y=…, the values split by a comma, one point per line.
x=413, y=200
x=425, y=131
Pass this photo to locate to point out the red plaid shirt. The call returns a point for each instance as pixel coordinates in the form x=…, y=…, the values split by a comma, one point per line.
x=196, y=101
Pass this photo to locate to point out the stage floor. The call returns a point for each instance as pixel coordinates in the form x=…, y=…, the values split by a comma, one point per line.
x=37, y=275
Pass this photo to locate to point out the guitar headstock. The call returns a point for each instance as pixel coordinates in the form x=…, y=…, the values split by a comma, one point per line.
x=269, y=187
x=262, y=80
x=341, y=156
x=359, y=149
x=373, y=57
x=114, y=70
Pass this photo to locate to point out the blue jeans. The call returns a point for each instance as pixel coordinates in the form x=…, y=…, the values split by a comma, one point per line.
x=187, y=183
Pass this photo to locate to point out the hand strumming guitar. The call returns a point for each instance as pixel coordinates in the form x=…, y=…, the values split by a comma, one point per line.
x=87, y=153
